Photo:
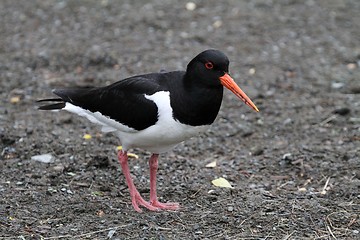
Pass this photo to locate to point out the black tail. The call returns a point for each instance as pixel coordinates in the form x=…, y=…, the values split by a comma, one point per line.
x=58, y=105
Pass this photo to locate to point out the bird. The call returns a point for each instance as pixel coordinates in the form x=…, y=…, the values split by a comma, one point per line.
x=154, y=112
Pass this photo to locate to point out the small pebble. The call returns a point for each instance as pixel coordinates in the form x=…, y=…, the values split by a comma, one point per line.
x=342, y=111
x=190, y=6
x=252, y=71
x=44, y=158
x=354, y=120
x=257, y=151
x=52, y=190
x=287, y=156
x=287, y=121
x=217, y=24
x=8, y=153
x=355, y=90
x=59, y=168
x=351, y=66
x=337, y=85
x=111, y=233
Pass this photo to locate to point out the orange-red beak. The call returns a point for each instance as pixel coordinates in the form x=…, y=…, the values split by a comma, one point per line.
x=230, y=84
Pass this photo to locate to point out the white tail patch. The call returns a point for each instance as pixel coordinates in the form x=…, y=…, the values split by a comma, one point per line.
x=108, y=124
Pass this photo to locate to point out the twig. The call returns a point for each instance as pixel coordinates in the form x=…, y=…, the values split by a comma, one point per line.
x=87, y=234
x=331, y=233
x=323, y=192
x=164, y=228
x=194, y=194
x=352, y=221
x=332, y=117
x=289, y=235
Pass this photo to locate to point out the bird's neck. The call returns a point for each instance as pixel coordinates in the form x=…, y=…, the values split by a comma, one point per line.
x=196, y=104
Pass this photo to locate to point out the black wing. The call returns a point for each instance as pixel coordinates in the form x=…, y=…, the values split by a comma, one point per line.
x=123, y=101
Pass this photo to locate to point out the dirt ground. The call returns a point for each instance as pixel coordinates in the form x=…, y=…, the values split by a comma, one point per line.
x=294, y=165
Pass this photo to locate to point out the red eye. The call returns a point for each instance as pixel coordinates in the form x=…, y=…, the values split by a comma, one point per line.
x=209, y=65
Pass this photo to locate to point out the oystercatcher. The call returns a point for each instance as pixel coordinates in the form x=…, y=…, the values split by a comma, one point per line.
x=155, y=111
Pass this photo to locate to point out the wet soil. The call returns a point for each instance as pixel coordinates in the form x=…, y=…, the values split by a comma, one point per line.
x=294, y=165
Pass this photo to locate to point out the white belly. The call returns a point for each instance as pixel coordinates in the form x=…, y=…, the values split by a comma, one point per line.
x=159, y=138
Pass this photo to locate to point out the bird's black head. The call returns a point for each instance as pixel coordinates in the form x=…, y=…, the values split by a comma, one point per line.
x=210, y=69
x=207, y=67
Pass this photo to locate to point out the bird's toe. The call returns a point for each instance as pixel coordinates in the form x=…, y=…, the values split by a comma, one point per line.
x=166, y=206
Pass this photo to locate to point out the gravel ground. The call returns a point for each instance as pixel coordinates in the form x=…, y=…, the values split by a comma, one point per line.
x=294, y=165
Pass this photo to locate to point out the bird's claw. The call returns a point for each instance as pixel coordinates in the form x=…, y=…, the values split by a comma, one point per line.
x=152, y=205
x=165, y=206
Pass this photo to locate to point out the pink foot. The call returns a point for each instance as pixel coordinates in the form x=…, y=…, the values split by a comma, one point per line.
x=165, y=206
x=137, y=200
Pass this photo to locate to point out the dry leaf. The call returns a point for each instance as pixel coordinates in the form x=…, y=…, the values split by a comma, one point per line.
x=133, y=155
x=221, y=182
x=15, y=99
x=87, y=136
x=130, y=155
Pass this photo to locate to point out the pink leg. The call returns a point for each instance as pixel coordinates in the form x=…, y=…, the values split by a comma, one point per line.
x=153, y=163
x=136, y=198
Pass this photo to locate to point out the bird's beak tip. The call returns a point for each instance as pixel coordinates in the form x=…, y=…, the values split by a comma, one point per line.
x=230, y=84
